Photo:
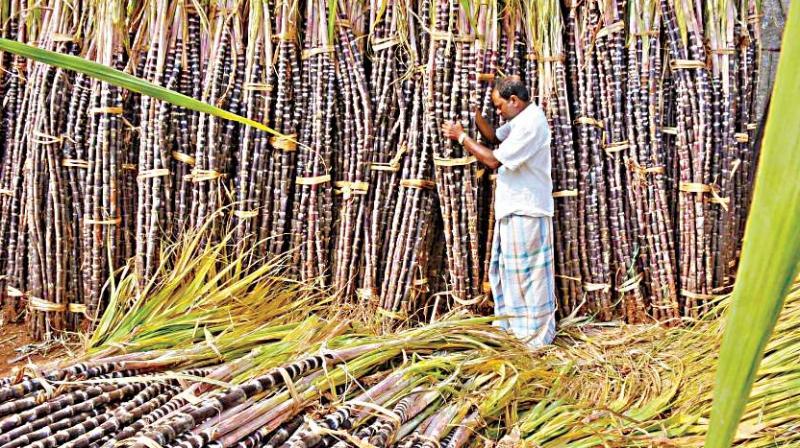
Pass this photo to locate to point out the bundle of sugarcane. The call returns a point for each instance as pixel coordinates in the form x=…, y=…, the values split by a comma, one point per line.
x=413, y=222
x=312, y=217
x=646, y=162
x=450, y=91
x=356, y=130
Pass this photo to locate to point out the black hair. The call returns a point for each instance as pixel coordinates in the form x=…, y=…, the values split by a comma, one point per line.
x=512, y=85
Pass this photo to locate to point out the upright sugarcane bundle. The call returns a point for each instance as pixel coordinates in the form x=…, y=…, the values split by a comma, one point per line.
x=312, y=217
x=647, y=164
x=450, y=91
x=548, y=55
x=355, y=154
x=253, y=182
x=409, y=237
x=13, y=194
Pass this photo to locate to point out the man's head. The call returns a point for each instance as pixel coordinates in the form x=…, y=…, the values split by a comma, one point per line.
x=510, y=97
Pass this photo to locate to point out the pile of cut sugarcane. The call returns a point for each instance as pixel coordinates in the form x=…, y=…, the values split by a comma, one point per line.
x=184, y=364
x=650, y=105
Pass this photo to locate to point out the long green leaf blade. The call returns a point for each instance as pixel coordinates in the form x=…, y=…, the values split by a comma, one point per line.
x=126, y=81
x=771, y=249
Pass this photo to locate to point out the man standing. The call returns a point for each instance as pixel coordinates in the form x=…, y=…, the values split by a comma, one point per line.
x=521, y=272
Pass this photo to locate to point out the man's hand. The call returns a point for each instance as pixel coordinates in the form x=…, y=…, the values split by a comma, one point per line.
x=452, y=130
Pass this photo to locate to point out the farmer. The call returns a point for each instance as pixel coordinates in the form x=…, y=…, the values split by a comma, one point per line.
x=521, y=271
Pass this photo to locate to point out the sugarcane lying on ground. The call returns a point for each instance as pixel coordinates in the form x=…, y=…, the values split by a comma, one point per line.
x=213, y=354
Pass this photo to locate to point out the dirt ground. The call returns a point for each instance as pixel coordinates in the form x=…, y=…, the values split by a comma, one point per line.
x=14, y=336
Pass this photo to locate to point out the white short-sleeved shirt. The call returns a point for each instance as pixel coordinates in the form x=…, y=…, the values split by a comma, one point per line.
x=524, y=185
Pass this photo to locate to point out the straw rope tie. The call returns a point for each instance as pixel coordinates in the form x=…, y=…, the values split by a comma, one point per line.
x=723, y=51
x=311, y=52
x=47, y=139
x=129, y=167
x=314, y=180
x=589, y=121
x=486, y=77
x=245, y=214
x=285, y=143
x=367, y=294
x=147, y=174
x=13, y=292
x=266, y=87
x=344, y=23
x=6, y=192
x=669, y=130
x=46, y=306
x=200, y=175
x=348, y=189
x=185, y=158
x=568, y=277
x=385, y=43
x=611, y=29
x=565, y=193
x=751, y=126
x=393, y=164
x=114, y=110
x=615, y=147
x=493, y=177
x=77, y=308
x=698, y=296
x=461, y=161
x=741, y=137
x=592, y=287
x=103, y=222
x=630, y=284
x=76, y=163
x=686, y=64
x=418, y=183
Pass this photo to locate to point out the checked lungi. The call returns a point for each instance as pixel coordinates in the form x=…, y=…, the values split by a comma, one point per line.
x=522, y=277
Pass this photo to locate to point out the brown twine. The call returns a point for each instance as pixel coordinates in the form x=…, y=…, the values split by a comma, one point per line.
x=77, y=308
x=147, y=174
x=678, y=64
x=76, y=163
x=46, y=306
x=616, y=146
x=185, y=158
x=383, y=44
x=314, y=180
x=669, y=130
x=115, y=110
x=591, y=287
x=245, y=214
x=129, y=166
x=311, y=52
x=631, y=284
x=695, y=295
x=741, y=137
x=199, y=175
x=266, y=87
x=285, y=143
x=486, y=76
x=441, y=35
x=565, y=193
x=589, y=121
x=418, y=183
x=103, y=222
x=461, y=161
x=611, y=29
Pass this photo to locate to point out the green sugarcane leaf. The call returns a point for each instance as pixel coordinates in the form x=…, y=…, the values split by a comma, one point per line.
x=771, y=249
x=331, y=19
x=125, y=81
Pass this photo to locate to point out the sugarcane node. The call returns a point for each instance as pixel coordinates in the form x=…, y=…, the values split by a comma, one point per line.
x=182, y=157
x=112, y=110
x=611, y=29
x=261, y=86
x=157, y=172
x=565, y=193
x=45, y=306
x=461, y=161
x=418, y=183
x=313, y=180
x=76, y=163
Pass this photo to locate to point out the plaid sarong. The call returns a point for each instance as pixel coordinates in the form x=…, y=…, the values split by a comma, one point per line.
x=522, y=277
